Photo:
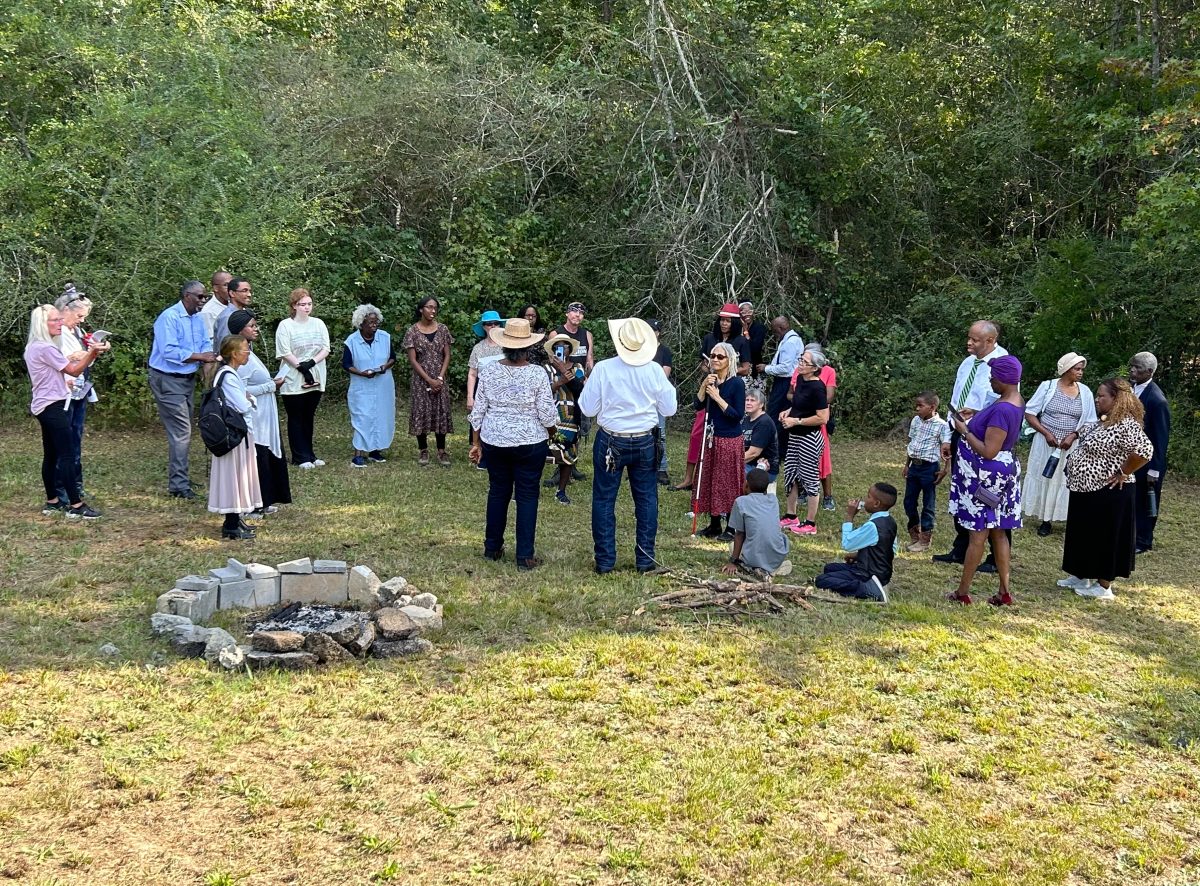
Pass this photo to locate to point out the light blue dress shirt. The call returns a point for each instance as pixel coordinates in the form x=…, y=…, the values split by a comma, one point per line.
x=178, y=335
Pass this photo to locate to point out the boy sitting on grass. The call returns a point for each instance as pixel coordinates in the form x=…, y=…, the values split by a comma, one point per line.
x=759, y=545
x=870, y=548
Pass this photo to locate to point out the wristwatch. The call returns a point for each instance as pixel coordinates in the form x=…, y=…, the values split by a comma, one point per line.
x=736, y=561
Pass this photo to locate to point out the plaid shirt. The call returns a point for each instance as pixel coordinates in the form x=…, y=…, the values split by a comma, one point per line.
x=925, y=438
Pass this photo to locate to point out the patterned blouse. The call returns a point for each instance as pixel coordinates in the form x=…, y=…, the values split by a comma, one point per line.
x=513, y=405
x=1101, y=452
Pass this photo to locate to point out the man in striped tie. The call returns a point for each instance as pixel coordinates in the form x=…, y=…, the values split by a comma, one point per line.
x=972, y=392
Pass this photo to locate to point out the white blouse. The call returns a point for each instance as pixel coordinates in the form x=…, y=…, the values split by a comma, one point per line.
x=265, y=416
x=513, y=405
x=303, y=341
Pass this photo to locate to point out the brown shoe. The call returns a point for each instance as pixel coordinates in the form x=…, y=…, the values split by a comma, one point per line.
x=423, y=458
x=443, y=458
x=922, y=544
x=914, y=535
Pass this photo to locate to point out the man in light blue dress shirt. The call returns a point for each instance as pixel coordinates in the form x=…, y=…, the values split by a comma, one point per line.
x=780, y=370
x=181, y=344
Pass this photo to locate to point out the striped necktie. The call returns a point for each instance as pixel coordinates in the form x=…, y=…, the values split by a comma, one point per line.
x=966, y=391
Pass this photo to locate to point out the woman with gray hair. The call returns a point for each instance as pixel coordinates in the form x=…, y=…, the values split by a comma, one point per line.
x=369, y=357
x=808, y=413
x=74, y=307
x=721, y=469
x=828, y=377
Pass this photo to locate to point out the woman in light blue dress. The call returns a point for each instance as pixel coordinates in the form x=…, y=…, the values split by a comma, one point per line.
x=369, y=357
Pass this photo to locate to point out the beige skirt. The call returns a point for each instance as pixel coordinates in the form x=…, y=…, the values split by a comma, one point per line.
x=233, y=482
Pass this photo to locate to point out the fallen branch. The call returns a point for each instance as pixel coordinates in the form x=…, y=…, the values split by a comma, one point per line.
x=734, y=596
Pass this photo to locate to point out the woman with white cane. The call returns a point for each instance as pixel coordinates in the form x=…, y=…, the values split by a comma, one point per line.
x=722, y=395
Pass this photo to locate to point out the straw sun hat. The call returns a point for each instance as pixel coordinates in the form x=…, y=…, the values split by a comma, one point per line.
x=515, y=334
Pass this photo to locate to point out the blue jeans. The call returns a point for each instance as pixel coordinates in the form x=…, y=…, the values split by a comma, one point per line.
x=638, y=457
x=513, y=471
x=78, y=414
x=922, y=477
x=848, y=580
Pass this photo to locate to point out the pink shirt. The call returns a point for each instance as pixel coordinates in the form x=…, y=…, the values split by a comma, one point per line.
x=46, y=364
x=827, y=376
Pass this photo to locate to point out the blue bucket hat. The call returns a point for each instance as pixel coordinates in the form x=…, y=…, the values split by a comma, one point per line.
x=488, y=317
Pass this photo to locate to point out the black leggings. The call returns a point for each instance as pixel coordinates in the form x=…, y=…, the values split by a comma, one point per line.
x=423, y=441
x=58, y=452
x=301, y=412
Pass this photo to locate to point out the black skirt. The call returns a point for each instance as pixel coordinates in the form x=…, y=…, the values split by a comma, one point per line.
x=1101, y=530
x=272, y=477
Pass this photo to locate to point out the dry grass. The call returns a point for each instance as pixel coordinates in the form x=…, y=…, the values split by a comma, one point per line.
x=554, y=738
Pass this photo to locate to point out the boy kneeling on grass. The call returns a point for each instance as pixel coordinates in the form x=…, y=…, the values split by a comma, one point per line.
x=759, y=545
x=870, y=548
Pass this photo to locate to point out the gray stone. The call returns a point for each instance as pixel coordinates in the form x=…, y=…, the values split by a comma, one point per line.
x=198, y=606
x=401, y=648
x=361, y=643
x=197, y=583
x=329, y=565
x=256, y=571
x=391, y=589
x=395, y=624
x=233, y=563
x=325, y=587
x=237, y=594
x=425, y=619
x=108, y=650
x=364, y=586
x=347, y=628
x=325, y=648
x=218, y=640
x=425, y=601
x=303, y=566
x=165, y=623
x=276, y=641
x=232, y=658
x=287, y=661
x=190, y=641
x=266, y=592
x=227, y=573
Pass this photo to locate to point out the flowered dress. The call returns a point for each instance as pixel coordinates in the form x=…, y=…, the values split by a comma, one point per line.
x=1000, y=475
x=429, y=413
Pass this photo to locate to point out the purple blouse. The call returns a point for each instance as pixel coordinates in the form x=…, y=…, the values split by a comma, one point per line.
x=999, y=415
x=46, y=364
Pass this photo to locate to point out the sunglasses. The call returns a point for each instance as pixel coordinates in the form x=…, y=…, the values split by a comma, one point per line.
x=717, y=357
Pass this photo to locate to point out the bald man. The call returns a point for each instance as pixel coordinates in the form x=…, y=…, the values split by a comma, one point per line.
x=219, y=301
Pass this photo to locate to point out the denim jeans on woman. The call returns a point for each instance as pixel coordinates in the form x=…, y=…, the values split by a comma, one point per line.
x=513, y=471
x=636, y=455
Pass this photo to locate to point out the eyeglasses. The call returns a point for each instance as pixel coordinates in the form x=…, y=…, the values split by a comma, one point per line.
x=490, y=323
x=717, y=357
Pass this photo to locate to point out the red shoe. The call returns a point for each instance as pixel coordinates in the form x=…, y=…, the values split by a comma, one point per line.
x=956, y=597
x=1002, y=599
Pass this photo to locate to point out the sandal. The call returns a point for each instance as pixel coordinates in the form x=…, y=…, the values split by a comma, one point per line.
x=956, y=597
x=423, y=458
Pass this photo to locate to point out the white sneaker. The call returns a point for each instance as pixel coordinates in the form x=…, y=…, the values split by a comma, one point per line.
x=785, y=568
x=306, y=465
x=1072, y=582
x=883, y=597
x=319, y=463
x=1097, y=592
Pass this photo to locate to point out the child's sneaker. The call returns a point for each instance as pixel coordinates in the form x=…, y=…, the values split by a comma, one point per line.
x=805, y=528
x=788, y=522
x=562, y=498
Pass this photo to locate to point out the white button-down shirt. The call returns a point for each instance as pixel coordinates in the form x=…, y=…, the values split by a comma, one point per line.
x=981, y=393
x=627, y=399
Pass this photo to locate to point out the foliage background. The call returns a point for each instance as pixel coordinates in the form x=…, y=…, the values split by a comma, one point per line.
x=881, y=170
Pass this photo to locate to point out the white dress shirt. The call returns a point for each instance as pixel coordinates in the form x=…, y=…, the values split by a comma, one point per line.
x=209, y=313
x=1137, y=389
x=981, y=393
x=627, y=399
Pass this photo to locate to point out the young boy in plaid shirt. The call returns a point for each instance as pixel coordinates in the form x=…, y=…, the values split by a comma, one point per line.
x=924, y=468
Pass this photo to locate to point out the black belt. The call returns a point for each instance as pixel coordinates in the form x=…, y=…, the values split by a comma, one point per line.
x=924, y=461
x=174, y=374
x=627, y=436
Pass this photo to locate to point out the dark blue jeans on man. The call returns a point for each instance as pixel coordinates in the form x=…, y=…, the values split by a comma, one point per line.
x=921, y=484
x=513, y=471
x=637, y=456
x=78, y=414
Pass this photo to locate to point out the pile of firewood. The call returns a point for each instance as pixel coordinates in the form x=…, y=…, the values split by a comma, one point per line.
x=733, y=596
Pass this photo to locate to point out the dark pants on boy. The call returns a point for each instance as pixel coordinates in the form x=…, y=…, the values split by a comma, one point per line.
x=847, y=579
x=921, y=481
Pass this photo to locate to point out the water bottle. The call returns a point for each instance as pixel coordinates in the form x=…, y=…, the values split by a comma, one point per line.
x=1152, y=502
x=1051, y=465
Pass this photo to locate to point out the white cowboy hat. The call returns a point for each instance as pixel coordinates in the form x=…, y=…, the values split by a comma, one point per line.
x=560, y=338
x=515, y=334
x=635, y=340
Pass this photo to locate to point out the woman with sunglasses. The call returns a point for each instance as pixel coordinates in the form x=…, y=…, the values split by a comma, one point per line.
x=804, y=419
x=722, y=396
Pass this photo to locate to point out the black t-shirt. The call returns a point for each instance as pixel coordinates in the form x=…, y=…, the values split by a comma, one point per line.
x=809, y=399
x=739, y=344
x=761, y=432
x=663, y=358
x=757, y=336
x=580, y=335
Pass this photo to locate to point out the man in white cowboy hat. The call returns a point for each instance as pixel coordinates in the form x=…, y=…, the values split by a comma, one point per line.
x=626, y=394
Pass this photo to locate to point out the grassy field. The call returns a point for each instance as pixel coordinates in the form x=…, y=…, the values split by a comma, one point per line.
x=555, y=737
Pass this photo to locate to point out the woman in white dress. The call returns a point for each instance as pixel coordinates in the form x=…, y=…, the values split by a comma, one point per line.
x=233, y=481
x=1056, y=411
x=264, y=419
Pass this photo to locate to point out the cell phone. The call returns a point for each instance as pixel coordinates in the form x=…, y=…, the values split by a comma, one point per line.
x=955, y=414
x=100, y=335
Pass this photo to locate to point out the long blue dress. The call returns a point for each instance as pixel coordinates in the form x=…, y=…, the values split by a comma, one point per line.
x=372, y=401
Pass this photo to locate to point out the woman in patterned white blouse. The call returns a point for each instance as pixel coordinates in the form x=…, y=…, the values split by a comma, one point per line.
x=512, y=421
x=1100, y=518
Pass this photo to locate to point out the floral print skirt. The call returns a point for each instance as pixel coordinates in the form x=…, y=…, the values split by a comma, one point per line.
x=1000, y=475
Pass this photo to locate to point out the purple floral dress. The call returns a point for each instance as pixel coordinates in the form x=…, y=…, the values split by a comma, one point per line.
x=1001, y=475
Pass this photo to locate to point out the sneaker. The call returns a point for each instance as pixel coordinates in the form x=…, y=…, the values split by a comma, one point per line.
x=562, y=498
x=256, y=514
x=725, y=536
x=423, y=458
x=185, y=494
x=1097, y=592
x=1072, y=582
x=53, y=508
x=785, y=568
x=443, y=458
x=828, y=503
x=805, y=528
x=83, y=512
x=358, y=461
x=376, y=457
x=318, y=463
x=270, y=509
x=306, y=465
x=878, y=590
x=788, y=522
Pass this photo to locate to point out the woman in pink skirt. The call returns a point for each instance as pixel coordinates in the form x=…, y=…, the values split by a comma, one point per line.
x=233, y=487
x=722, y=396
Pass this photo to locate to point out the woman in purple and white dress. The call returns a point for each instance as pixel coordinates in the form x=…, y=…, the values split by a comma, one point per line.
x=985, y=492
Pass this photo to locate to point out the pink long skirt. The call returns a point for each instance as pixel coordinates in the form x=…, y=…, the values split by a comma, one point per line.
x=233, y=482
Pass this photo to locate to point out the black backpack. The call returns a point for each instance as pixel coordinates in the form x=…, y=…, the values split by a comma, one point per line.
x=222, y=428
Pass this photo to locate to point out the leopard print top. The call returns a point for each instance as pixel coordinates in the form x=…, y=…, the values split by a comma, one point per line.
x=1101, y=452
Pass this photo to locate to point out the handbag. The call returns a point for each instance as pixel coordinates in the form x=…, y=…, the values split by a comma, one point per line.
x=222, y=428
x=987, y=497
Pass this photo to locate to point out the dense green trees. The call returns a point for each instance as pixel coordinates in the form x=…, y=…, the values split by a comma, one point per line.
x=883, y=170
